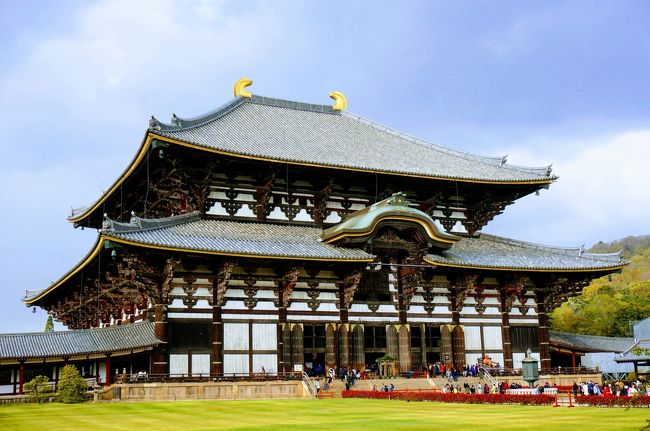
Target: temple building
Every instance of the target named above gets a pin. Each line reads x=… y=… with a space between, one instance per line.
x=286 y=236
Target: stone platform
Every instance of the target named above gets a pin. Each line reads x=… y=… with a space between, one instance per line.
x=205 y=391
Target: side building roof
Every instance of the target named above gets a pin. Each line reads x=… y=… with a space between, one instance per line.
x=494 y=252
x=590 y=343
x=79 y=342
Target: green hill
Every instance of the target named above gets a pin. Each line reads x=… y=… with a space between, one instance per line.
x=610 y=305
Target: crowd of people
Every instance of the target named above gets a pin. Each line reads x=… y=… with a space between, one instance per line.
x=452 y=373
x=616 y=389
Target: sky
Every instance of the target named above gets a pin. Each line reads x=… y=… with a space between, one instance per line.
x=561 y=82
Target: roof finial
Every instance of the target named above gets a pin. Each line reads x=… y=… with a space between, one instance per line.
x=340 y=102
x=240 y=87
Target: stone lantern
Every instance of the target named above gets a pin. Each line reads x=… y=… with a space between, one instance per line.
x=530 y=369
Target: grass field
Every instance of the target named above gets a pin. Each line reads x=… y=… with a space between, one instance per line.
x=336 y=414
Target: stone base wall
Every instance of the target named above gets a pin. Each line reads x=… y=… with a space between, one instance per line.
x=212 y=391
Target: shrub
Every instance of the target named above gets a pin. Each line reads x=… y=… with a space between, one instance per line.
x=537 y=400
x=38 y=389
x=72 y=387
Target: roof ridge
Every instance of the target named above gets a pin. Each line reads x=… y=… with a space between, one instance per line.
x=177 y=123
x=138 y=224
x=490 y=160
x=569 y=251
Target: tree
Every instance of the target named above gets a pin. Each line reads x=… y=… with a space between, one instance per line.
x=38 y=389
x=49 y=325
x=72 y=387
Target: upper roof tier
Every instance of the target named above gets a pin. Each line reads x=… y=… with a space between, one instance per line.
x=318 y=135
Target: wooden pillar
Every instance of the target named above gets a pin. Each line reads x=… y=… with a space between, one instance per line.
x=297 y=346
x=282 y=323
x=108 y=370
x=344 y=345
x=405 y=360
x=159 y=354
x=423 y=344
x=21 y=377
x=331 y=341
x=216 y=356
x=573 y=360
x=544 y=346
x=358 y=359
x=505 y=330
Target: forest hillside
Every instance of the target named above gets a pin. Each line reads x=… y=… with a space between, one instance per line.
x=610 y=305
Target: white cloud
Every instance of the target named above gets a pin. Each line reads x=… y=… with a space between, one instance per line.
x=602 y=193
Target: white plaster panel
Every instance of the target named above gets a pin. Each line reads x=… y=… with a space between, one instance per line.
x=299 y=306
x=429 y=320
x=6 y=389
x=311 y=317
x=177 y=291
x=492 y=338
x=373 y=319
x=492 y=310
x=264 y=305
x=217 y=209
x=441 y=309
x=417 y=298
x=200 y=364
x=334 y=217
x=206 y=315
x=177 y=303
x=302 y=216
x=525 y=321
x=360 y=308
x=234 y=305
x=268 y=361
x=472 y=337
x=178 y=364
x=328 y=306
x=235 y=336
x=474 y=321
x=235 y=364
x=277 y=214
x=299 y=295
x=416 y=309
x=468 y=310
x=265 y=336
x=202 y=303
x=327 y=296
x=386 y=308
x=244 y=211
x=235 y=293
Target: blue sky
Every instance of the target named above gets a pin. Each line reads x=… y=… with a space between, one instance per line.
x=544 y=82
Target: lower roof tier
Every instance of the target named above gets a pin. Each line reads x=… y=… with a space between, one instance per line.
x=190 y=234
x=494 y=252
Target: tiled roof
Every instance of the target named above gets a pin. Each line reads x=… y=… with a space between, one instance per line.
x=489 y=251
x=590 y=343
x=189 y=232
x=317 y=135
x=629 y=356
x=79 y=342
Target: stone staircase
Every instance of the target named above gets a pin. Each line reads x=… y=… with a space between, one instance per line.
x=401 y=384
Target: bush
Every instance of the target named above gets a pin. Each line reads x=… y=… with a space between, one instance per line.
x=536 y=400
x=72 y=387
x=38 y=389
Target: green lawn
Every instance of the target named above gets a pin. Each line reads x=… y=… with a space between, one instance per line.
x=337 y=414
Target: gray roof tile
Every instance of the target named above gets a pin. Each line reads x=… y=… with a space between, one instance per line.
x=188 y=232
x=79 y=342
x=315 y=134
x=592 y=343
x=489 y=251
